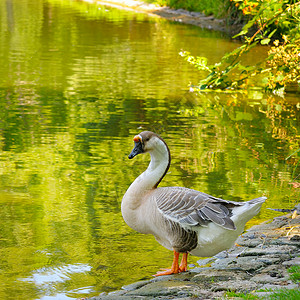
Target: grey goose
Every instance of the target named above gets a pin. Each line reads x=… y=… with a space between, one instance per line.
x=181 y=219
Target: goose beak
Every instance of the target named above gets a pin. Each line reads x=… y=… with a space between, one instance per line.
x=138 y=148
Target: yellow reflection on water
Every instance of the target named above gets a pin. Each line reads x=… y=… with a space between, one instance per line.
x=76 y=84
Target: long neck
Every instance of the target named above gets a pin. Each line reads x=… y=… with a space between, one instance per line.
x=158 y=167
x=139 y=190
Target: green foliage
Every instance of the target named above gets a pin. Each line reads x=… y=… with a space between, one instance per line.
x=280 y=294
x=267 y=18
x=240 y=295
x=284 y=294
x=294 y=273
x=218 y=7
x=219 y=76
x=284 y=61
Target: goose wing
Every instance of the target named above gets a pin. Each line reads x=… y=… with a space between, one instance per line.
x=193 y=208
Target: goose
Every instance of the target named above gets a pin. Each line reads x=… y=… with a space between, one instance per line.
x=182 y=220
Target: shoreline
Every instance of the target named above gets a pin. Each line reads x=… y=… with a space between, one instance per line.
x=257 y=265
x=175 y=15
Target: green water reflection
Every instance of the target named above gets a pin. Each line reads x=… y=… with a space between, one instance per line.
x=77 y=82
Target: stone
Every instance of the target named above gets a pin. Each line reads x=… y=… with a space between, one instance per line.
x=293 y=262
x=267 y=278
x=236 y=251
x=113 y=297
x=206 y=294
x=284 y=249
x=275 y=287
x=223 y=254
x=248 y=264
x=199 y=269
x=181 y=11
x=163 y=278
x=284 y=240
x=275 y=270
x=184 y=276
x=136 y=285
x=260 y=264
x=235 y=285
x=243 y=241
x=296 y=238
x=116 y=293
x=218 y=275
x=164 y=288
x=206 y=261
x=262 y=295
x=223 y=263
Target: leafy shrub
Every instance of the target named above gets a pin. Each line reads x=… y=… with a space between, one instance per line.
x=267 y=19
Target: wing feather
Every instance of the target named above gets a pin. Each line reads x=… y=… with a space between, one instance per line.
x=192 y=208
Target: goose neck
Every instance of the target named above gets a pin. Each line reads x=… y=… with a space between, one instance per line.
x=150 y=178
x=158 y=166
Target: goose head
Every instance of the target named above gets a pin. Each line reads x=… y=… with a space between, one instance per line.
x=149 y=142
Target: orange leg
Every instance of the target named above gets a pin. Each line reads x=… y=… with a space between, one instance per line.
x=175 y=267
x=183 y=264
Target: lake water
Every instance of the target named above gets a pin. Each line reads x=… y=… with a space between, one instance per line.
x=77 y=82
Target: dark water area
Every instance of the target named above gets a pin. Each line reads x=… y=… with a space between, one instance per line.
x=77 y=82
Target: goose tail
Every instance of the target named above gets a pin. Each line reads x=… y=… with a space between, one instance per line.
x=255 y=205
x=242 y=214
x=257 y=200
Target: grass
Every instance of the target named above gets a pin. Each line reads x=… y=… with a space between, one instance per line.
x=284 y=294
x=294 y=274
x=233 y=295
x=280 y=294
x=217 y=8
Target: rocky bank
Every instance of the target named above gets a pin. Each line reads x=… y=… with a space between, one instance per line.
x=257 y=264
x=176 y=15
